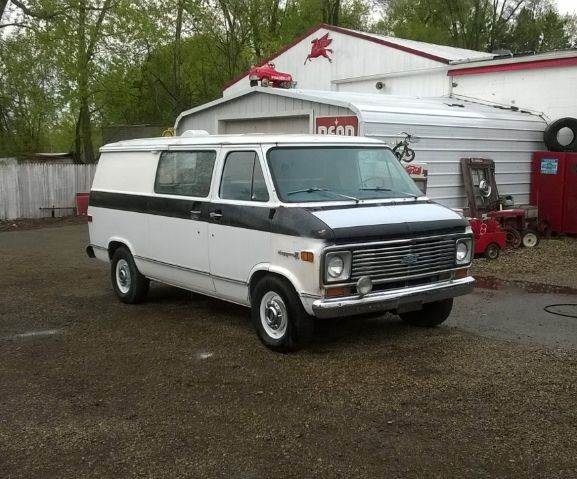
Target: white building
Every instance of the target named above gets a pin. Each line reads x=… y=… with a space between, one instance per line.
x=461 y=103
x=448 y=129
x=371 y=63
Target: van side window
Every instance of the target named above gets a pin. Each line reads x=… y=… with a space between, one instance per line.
x=242 y=178
x=186 y=173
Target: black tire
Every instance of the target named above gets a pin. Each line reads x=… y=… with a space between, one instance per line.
x=492 y=251
x=431 y=315
x=409 y=155
x=254 y=83
x=550 y=136
x=136 y=289
x=299 y=325
x=513 y=237
x=530 y=238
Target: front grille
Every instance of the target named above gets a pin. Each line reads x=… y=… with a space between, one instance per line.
x=403 y=259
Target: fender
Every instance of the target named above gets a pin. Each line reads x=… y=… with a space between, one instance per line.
x=124 y=241
x=306 y=298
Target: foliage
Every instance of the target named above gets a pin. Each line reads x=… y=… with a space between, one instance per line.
x=485 y=25
x=70 y=67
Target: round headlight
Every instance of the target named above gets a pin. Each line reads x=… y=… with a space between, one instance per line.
x=335 y=266
x=462 y=251
x=364 y=285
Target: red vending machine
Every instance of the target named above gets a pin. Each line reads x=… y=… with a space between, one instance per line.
x=554 y=190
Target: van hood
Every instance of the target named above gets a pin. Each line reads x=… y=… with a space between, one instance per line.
x=391 y=220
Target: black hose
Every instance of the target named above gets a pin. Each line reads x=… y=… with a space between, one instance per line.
x=571 y=305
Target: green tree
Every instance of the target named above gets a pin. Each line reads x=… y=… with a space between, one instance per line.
x=29 y=104
x=479 y=24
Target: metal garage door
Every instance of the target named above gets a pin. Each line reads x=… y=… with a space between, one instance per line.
x=283 y=124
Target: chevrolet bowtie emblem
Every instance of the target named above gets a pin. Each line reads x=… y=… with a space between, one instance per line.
x=410 y=259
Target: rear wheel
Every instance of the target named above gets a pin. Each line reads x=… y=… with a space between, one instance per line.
x=431 y=315
x=278 y=315
x=530 y=239
x=265 y=82
x=129 y=284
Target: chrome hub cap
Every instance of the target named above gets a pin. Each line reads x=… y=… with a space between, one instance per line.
x=273 y=315
x=123 y=279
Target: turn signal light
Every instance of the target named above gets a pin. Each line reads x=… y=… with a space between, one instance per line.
x=461 y=273
x=337 y=292
x=307 y=256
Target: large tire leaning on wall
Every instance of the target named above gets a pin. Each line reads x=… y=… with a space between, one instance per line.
x=551 y=135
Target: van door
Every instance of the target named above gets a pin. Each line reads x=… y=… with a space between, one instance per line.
x=178 y=221
x=239 y=223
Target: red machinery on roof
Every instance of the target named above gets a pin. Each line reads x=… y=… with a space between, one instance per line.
x=269 y=76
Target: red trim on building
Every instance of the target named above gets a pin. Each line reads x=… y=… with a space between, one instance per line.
x=344 y=31
x=386 y=43
x=509 y=67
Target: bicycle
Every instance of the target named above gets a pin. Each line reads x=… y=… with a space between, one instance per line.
x=402 y=150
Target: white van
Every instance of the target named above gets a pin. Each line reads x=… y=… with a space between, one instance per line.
x=293 y=226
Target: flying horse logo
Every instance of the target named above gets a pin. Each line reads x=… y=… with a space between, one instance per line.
x=319 y=48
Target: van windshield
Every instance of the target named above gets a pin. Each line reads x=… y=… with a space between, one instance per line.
x=315 y=174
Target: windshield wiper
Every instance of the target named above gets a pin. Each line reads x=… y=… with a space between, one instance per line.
x=382 y=188
x=314 y=189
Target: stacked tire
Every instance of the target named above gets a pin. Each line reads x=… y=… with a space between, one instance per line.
x=551 y=135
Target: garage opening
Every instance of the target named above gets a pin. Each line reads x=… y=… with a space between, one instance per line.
x=280 y=125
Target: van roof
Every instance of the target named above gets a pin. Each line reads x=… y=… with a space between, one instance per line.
x=242 y=139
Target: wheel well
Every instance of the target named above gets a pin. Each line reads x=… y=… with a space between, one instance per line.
x=258 y=275
x=113 y=246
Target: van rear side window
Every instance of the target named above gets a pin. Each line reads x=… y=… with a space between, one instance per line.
x=185 y=173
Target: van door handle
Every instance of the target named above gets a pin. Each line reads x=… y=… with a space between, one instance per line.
x=215 y=215
x=194 y=214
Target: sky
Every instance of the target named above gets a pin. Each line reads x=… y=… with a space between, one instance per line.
x=567 y=6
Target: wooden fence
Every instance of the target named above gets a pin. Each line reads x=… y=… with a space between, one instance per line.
x=25 y=188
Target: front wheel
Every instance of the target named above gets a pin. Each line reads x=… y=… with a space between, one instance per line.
x=129 y=284
x=278 y=315
x=431 y=315
x=492 y=251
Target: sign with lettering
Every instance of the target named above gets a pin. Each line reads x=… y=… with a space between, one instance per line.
x=549 y=166
x=337 y=125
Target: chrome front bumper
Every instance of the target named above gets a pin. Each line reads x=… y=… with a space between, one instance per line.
x=391 y=300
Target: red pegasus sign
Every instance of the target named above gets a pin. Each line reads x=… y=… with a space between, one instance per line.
x=320 y=48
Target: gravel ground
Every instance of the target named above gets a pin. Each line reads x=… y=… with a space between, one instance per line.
x=181 y=387
x=553 y=261
x=34 y=223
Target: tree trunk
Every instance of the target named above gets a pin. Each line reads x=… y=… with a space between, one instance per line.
x=84 y=128
x=331 y=11
x=3 y=4
x=177 y=58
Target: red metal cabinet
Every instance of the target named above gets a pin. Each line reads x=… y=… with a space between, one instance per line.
x=570 y=201
x=554 y=189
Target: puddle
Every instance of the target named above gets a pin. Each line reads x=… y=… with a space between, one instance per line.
x=34 y=334
x=493 y=283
